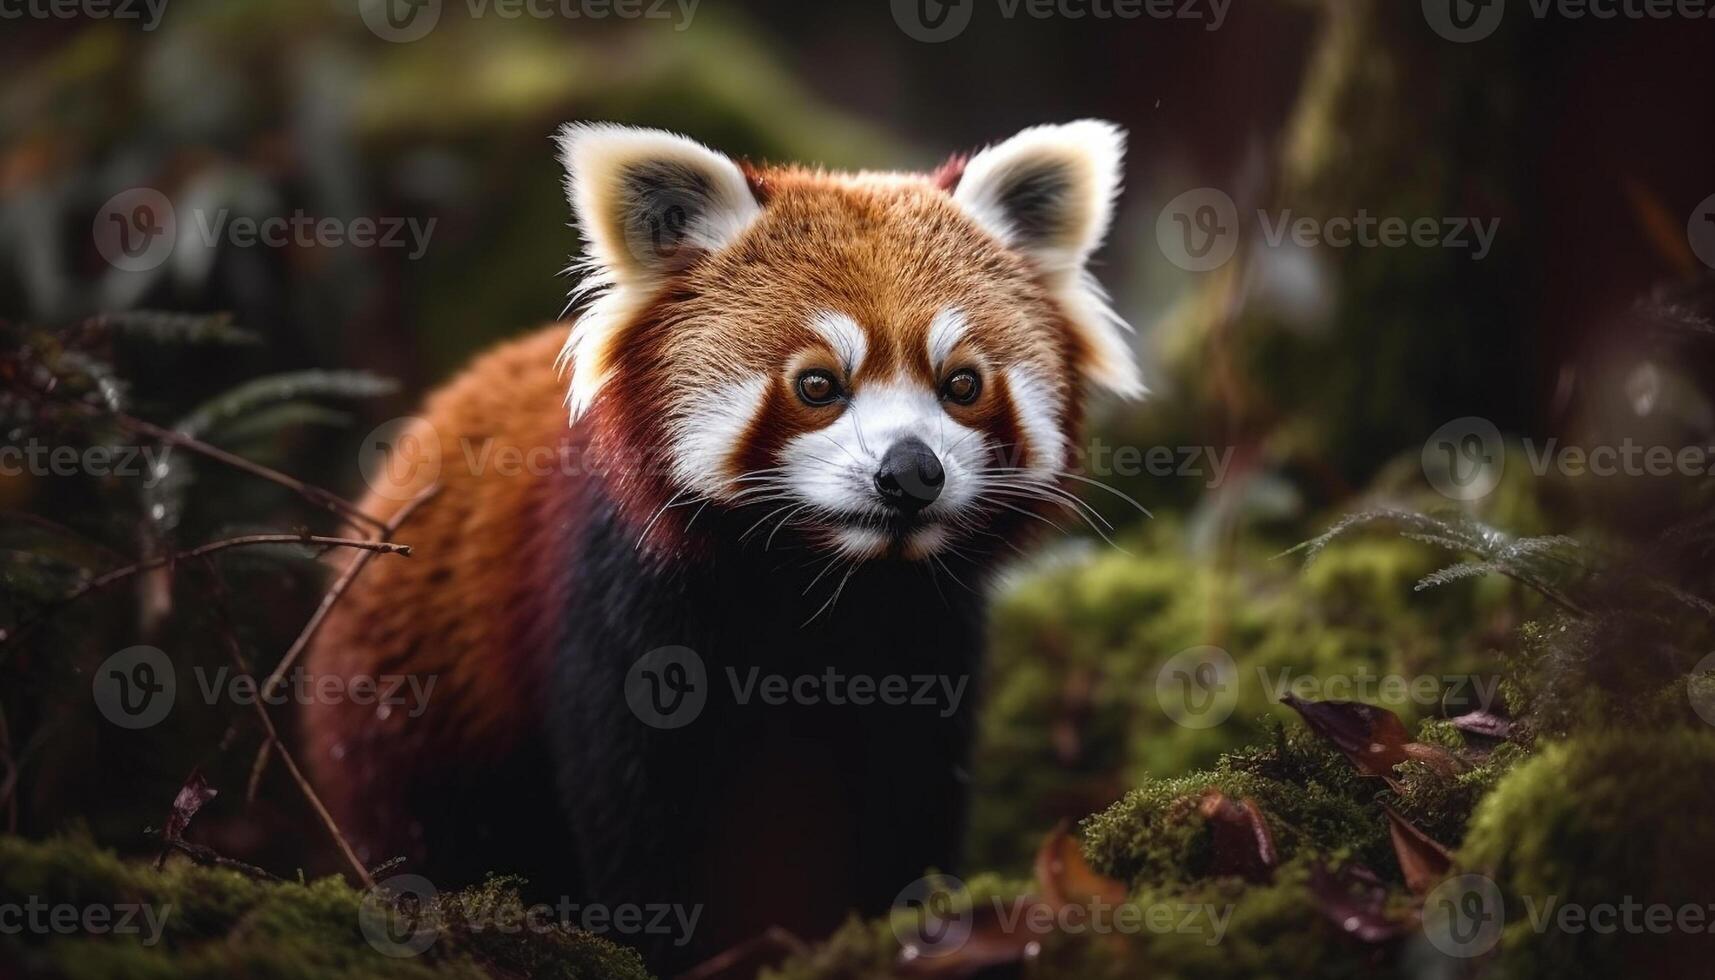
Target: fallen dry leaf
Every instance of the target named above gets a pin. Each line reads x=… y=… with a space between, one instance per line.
x=192 y=795
x=1424 y=861
x=1373 y=738
x=1065 y=878
x=1242 y=842
x=1355 y=900
x=956 y=953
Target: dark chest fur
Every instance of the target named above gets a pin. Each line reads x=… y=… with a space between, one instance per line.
x=787 y=758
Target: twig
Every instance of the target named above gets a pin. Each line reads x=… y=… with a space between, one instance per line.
x=120 y=574
x=277 y=677
x=314 y=494
x=209 y=856
x=273 y=737
x=379 y=544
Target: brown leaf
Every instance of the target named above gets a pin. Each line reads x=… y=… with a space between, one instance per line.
x=1424 y=861
x=1355 y=900
x=957 y=952
x=192 y=795
x=1067 y=879
x=1242 y=843
x=1373 y=738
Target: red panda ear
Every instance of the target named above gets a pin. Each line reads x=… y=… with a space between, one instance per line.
x=1049 y=193
x=649 y=203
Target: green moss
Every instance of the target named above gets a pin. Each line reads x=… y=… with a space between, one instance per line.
x=1314 y=807
x=1598 y=821
x=220 y=924
x=1072 y=714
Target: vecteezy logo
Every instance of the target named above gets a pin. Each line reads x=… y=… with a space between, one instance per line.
x=1463 y=916
x=136 y=687
x=667 y=687
x=399 y=916
x=1464 y=459
x=400 y=458
x=400 y=21
x=932 y=917
x=1464 y=21
x=662 y=233
x=1701 y=231
x=1198 y=687
x=1701 y=686
x=1198 y=231
x=136 y=229
x=933 y=21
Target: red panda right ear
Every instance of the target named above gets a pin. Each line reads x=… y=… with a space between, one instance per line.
x=648 y=204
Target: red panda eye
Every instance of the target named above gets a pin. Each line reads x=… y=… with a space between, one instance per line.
x=963 y=387
x=818 y=388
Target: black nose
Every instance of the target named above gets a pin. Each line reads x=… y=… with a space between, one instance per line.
x=910 y=477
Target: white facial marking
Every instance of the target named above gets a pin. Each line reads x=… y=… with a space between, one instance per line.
x=945 y=332
x=705 y=436
x=1038 y=406
x=845 y=336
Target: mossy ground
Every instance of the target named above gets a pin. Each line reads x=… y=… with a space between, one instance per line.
x=222 y=924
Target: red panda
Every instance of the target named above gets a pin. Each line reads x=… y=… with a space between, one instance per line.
x=809 y=413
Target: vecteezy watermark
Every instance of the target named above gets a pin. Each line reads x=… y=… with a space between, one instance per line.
x=1701 y=231
x=37 y=916
x=934 y=21
x=400 y=916
x=137 y=230
x=668 y=688
x=1463 y=916
x=1626 y=915
x=1200 y=231
x=404 y=915
x=835 y=687
x=401 y=458
x=1198 y=687
x=403 y=21
x=36 y=458
x=387 y=693
x=935 y=916
x=1700 y=686
x=1465 y=459
x=1387 y=690
x=1206 y=463
x=146 y=13
x=1465 y=21
x=138 y=687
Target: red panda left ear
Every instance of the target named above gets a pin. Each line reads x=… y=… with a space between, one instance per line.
x=648 y=204
x=1049 y=193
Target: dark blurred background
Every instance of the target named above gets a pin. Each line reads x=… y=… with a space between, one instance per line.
x=1590 y=141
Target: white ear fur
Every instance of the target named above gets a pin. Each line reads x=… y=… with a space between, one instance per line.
x=1049 y=193
x=648 y=203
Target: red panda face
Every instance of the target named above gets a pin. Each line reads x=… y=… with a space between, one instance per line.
x=883 y=364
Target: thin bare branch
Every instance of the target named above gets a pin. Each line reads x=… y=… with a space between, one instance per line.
x=243 y=541
x=314 y=494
